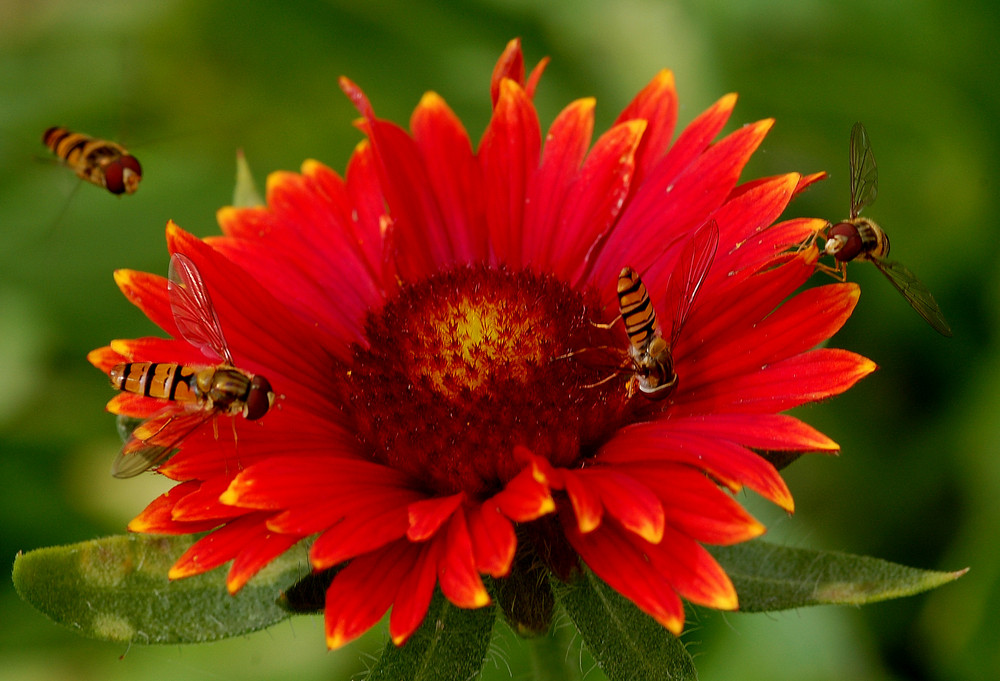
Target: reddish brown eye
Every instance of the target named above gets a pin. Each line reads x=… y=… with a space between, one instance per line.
x=113 y=177
x=259 y=398
x=132 y=163
x=852 y=240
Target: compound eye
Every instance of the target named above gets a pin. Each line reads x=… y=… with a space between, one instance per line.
x=259 y=399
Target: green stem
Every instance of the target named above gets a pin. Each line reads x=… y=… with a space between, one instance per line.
x=549 y=657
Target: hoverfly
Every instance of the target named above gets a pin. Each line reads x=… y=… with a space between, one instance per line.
x=100 y=162
x=858 y=238
x=195 y=395
x=650 y=353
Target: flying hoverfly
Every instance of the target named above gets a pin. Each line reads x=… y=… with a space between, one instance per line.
x=100 y=162
x=194 y=394
x=859 y=238
x=649 y=352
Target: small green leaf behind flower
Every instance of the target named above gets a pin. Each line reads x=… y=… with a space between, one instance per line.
x=245 y=194
x=769 y=577
x=116 y=589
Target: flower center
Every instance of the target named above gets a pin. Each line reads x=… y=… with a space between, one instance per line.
x=466 y=365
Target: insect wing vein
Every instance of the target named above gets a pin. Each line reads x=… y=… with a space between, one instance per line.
x=864 y=172
x=685 y=281
x=916 y=294
x=193 y=310
x=156 y=438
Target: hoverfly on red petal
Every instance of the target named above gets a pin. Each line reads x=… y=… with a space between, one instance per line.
x=650 y=353
x=194 y=394
x=859 y=238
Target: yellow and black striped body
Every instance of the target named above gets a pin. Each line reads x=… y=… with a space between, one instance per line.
x=649 y=351
x=100 y=162
x=857 y=238
x=222 y=388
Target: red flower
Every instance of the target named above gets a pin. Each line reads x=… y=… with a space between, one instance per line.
x=446 y=397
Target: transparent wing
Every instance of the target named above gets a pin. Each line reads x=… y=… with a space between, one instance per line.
x=916 y=294
x=157 y=438
x=689 y=274
x=193 y=310
x=864 y=172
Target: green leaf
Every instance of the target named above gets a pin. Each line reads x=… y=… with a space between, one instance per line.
x=116 y=589
x=450 y=644
x=245 y=193
x=627 y=643
x=769 y=577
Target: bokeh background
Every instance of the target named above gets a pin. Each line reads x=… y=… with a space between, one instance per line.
x=185 y=83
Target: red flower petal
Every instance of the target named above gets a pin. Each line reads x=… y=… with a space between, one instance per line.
x=493 y=540
x=613 y=558
x=565 y=148
x=627 y=500
x=508 y=156
x=657 y=105
x=220 y=546
x=457 y=573
x=453 y=176
x=361 y=593
x=158 y=517
x=427 y=516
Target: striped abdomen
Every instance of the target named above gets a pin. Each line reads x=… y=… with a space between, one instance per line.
x=99 y=162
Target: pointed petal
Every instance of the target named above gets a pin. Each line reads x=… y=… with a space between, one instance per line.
x=657 y=105
x=362 y=592
x=493 y=540
x=453 y=175
x=427 y=516
x=616 y=560
x=566 y=146
x=509 y=154
x=457 y=574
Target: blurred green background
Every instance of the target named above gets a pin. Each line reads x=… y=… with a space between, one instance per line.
x=184 y=84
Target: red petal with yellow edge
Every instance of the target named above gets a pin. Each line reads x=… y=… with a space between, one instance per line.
x=729 y=463
x=626 y=499
x=280 y=482
x=599 y=192
x=690 y=569
x=414 y=594
x=457 y=574
x=789 y=383
x=453 y=176
x=255 y=555
x=148 y=292
x=657 y=105
x=362 y=592
x=220 y=546
x=493 y=539
x=136 y=406
x=692 y=196
x=427 y=516
x=715 y=320
x=524 y=498
x=800 y=324
x=550 y=190
x=389 y=504
x=364 y=530
x=508 y=155
x=609 y=553
x=759 y=431
x=741 y=217
x=696 y=506
x=105 y=358
x=509 y=65
x=158 y=518
x=586 y=502
x=204 y=504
